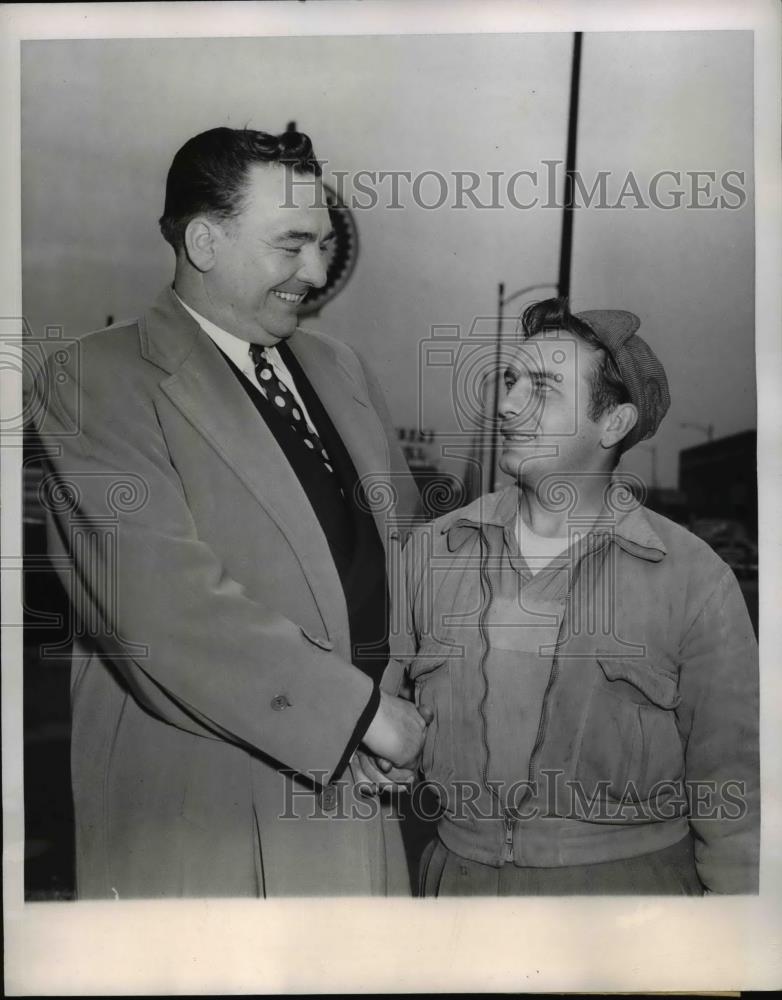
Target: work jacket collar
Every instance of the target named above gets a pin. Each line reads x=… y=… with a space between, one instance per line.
x=631 y=529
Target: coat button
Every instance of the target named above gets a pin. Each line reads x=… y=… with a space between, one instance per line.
x=279 y=703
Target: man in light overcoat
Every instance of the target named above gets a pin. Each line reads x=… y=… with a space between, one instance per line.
x=211 y=477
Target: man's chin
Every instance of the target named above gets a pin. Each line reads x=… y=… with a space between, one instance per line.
x=521 y=463
x=512 y=466
x=282 y=331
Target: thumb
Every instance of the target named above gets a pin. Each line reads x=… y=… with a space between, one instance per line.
x=383 y=764
x=426 y=713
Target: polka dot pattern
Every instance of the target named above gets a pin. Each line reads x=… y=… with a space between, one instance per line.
x=285 y=402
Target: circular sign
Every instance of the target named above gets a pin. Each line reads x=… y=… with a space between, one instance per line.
x=341 y=258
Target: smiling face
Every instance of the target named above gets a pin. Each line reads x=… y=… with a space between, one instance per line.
x=544 y=419
x=268 y=257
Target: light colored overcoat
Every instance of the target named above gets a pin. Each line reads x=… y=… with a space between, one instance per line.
x=211 y=648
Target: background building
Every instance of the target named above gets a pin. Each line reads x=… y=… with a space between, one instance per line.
x=720 y=480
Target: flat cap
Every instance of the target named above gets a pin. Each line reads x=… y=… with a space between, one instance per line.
x=641 y=370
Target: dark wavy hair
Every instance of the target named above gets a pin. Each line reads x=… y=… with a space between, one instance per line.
x=606 y=388
x=208 y=174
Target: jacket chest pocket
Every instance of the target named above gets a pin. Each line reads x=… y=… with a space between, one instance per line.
x=630 y=742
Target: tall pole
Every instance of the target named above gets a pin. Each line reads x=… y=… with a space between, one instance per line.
x=565 y=252
x=566 y=245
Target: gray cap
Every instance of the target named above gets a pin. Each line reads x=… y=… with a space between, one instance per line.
x=640 y=368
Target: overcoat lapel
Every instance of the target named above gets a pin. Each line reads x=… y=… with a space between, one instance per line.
x=203 y=388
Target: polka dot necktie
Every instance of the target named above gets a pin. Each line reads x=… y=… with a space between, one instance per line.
x=280 y=396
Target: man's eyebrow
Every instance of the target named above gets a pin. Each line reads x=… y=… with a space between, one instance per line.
x=541 y=374
x=305 y=236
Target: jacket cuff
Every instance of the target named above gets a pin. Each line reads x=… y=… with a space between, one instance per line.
x=394 y=679
x=357 y=736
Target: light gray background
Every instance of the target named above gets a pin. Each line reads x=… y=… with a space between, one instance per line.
x=102 y=119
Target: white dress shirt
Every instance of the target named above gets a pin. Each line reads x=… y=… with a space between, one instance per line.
x=238 y=351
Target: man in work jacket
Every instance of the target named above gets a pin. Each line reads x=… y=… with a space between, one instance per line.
x=590 y=665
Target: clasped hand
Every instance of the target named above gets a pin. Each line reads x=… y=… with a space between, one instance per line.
x=392 y=745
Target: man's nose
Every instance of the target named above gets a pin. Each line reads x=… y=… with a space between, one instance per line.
x=512 y=403
x=313 y=266
x=517 y=408
x=505 y=410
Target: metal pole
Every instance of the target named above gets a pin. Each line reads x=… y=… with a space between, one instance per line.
x=566 y=245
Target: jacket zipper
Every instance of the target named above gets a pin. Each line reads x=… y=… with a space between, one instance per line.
x=509 y=824
x=488 y=596
x=508 y=854
x=555 y=664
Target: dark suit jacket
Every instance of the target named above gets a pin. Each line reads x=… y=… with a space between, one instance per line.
x=212 y=650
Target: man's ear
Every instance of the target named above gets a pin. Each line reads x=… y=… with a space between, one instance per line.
x=201 y=237
x=620 y=422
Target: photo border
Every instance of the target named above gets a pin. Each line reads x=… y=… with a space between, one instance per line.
x=350 y=946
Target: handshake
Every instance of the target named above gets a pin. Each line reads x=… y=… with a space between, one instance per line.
x=392 y=745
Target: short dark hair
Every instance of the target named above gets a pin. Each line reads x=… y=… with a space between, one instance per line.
x=208 y=174
x=606 y=388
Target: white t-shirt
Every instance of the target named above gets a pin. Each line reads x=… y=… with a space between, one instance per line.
x=539 y=550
